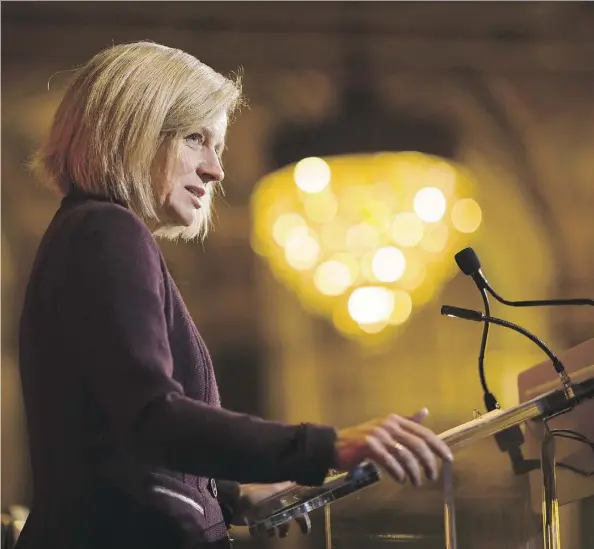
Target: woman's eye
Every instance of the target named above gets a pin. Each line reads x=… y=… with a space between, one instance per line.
x=195 y=139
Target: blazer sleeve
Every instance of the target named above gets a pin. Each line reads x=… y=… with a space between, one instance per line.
x=113 y=301
x=228 y=495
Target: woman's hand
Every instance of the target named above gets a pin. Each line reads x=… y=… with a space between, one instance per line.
x=401 y=446
x=252 y=494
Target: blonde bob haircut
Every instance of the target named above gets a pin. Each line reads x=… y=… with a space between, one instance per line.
x=123 y=106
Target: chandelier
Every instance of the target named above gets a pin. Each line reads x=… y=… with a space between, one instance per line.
x=364 y=239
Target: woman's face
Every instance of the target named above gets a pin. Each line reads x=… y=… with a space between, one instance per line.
x=187 y=187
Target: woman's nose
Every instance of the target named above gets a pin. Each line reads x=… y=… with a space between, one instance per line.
x=211 y=170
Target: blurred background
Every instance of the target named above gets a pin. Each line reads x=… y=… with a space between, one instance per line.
x=379 y=139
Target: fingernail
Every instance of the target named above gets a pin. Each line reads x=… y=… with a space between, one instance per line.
x=450 y=456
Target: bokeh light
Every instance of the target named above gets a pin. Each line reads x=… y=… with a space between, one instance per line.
x=407 y=229
x=365 y=240
x=371 y=304
x=430 y=204
x=466 y=215
x=285 y=225
x=388 y=264
x=301 y=249
x=333 y=278
x=312 y=175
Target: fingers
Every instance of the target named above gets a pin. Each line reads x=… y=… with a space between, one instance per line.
x=420 y=416
x=437 y=445
x=283 y=530
x=384 y=458
x=304 y=524
x=414 y=453
x=401 y=446
x=413 y=447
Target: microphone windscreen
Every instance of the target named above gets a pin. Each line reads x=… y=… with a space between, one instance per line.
x=468 y=261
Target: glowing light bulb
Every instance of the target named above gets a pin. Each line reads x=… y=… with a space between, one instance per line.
x=371 y=304
x=430 y=204
x=312 y=174
x=388 y=264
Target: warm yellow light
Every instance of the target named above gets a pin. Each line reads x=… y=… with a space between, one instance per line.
x=301 y=250
x=385 y=192
x=352 y=199
x=374 y=328
x=350 y=262
x=320 y=207
x=435 y=239
x=333 y=234
x=377 y=214
x=442 y=175
x=407 y=229
x=430 y=204
x=388 y=264
x=284 y=226
x=402 y=308
x=361 y=238
x=332 y=278
x=466 y=215
x=371 y=304
x=366 y=267
x=414 y=274
x=312 y=175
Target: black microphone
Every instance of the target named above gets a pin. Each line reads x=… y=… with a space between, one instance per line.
x=477 y=316
x=470 y=265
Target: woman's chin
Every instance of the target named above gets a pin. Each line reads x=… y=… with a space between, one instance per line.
x=182 y=217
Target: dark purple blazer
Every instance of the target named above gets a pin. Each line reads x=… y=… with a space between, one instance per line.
x=125 y=426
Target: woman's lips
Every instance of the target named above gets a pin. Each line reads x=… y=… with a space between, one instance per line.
x=197 y=193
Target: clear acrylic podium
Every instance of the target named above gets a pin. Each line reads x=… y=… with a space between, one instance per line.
x=479 y=503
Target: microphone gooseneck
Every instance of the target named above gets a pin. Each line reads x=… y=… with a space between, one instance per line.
x=477 y=316
x=510 y=440
x=469 y=264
